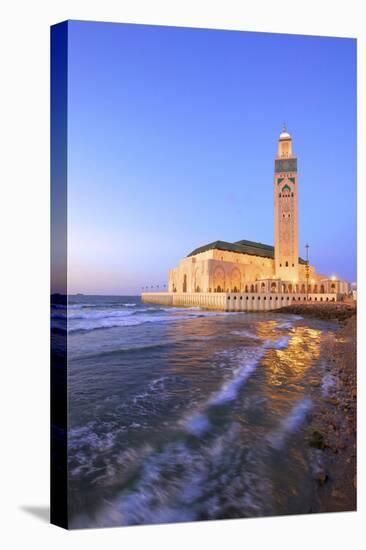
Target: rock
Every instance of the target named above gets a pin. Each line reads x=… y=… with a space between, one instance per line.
x=321 y=477
x=317 y=440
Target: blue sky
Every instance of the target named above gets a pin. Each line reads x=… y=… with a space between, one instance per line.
x=172 y=136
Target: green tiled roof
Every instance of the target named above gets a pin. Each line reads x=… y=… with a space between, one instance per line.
x=242 y=247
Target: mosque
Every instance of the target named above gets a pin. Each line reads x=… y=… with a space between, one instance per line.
x=254 y=275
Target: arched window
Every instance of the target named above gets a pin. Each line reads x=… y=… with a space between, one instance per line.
x=286 y=264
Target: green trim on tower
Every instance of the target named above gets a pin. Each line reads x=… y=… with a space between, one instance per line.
x=286 y=187
x=292 y=179
x=279 y=180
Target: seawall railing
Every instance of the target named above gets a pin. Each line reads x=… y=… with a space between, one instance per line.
x=233 y=301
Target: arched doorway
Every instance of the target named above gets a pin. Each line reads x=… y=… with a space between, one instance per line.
x=197 y=280
x=219 y=279
x=273 y=287
x=235 y=280
x=185 y=283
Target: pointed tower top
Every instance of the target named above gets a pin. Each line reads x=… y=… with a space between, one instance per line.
x=284 y=134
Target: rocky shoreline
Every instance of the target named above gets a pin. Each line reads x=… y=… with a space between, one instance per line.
x=339 y=311
x=332 y=432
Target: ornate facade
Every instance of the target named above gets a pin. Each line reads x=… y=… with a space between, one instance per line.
x=246 y=266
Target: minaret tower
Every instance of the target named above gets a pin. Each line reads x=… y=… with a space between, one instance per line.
x=285 y=211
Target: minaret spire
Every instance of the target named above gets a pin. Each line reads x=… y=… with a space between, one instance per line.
x=285 y=210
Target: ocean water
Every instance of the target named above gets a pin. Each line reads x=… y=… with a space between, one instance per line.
x=181 y=414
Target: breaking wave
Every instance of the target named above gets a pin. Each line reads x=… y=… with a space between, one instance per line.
x=109 y=319
x=290 y=423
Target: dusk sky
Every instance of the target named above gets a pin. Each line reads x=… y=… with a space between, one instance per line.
x=172 y=137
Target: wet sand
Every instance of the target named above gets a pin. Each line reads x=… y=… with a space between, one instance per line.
x=332 y=432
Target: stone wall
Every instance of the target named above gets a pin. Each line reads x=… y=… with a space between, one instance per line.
x=230 y=301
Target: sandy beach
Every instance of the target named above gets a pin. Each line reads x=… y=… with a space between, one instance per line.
x=332 y=432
